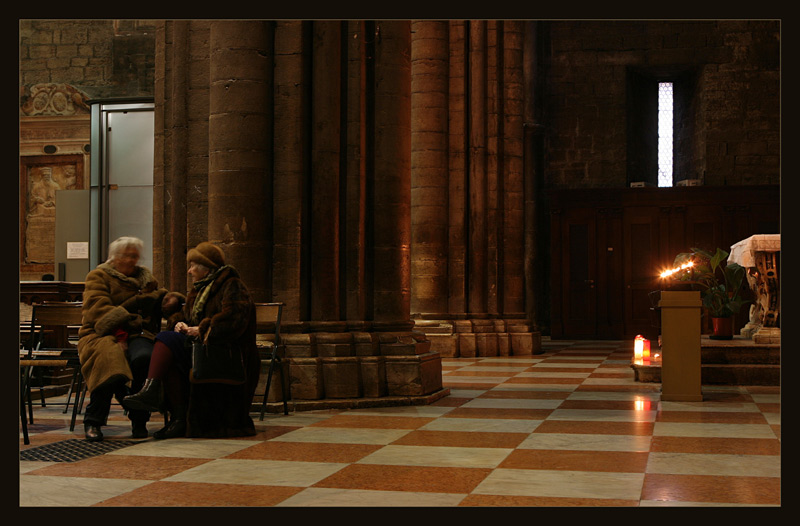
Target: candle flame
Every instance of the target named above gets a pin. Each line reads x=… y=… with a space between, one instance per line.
x=668 y=273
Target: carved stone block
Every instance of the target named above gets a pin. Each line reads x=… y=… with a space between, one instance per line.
x=305 y=379
x=373 y=376
x=413 y=375
x=342 y=377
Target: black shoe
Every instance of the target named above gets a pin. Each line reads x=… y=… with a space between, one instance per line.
x=93 y=433
x=139 y=430
x=149 y=398
x=175 y=429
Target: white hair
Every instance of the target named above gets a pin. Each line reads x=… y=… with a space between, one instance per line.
x=119 y=245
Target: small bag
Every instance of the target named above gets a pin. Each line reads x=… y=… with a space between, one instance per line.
x=216 y=363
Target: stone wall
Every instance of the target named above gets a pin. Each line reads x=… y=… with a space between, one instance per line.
x=735 y=101
x=102 y=58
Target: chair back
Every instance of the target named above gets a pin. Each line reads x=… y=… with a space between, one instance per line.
x=55 y=316
x=268 y=316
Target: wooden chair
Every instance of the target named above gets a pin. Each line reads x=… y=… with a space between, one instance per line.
x=48 y=345
x=269 y=314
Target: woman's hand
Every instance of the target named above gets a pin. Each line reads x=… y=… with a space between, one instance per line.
x=185 y=329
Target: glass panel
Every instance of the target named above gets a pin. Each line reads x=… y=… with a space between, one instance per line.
x=665 y=134
x=130 y=148
x=130 y=213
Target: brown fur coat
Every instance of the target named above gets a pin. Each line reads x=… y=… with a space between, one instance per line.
x=220 y=410
x=114 y=301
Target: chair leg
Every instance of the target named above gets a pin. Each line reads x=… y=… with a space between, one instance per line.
x=23 y=416
x=283 y=389
x=70 y=391
x=266 y=389
x=79 y=389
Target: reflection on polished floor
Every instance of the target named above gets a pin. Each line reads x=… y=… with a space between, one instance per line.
x=569 y=427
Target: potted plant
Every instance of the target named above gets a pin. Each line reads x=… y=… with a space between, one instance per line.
x=720 y=286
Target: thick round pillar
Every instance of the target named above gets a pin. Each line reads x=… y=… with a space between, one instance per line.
x=326 y=130
x=477 y=177
x=291 y=153
x=392 y=178
x=429 y=166
x=240 y=139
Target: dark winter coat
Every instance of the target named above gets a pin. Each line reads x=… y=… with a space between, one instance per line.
x=113 y=301
x=222 y=410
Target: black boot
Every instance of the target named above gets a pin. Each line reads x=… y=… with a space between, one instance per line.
x=150 y=398
x=175 y=429
x=138 y=429
x=92 y=432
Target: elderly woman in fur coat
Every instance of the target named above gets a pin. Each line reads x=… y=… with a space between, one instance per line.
x=218 y=309
x=122 y=312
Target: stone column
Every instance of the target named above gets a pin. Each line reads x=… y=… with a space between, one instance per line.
x=429 y=164
x=391 y=241
x=240 y=141
x=477 y=177
x=171 y=153
x=326 y=130
x=292 y=167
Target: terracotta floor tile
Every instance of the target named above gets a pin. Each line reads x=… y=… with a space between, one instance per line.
x=535 y=369
x=625 y=405
x=461 y=439
x=543 y=380
x=625 y=388
x=406 y=478
x=373 y=422
x=711 y=417
x=41 y=439
x=498 y=412
x=121 y=467
x=708 y=488
x=527 y=395
x=188 y=494
x=268 y=432
x=451 y=401
x=612 y=461
x=490 y=374
x=726 y=396
x=542 y=502
x=601 y=374
x=769 y=408
x=469 y=385
x=719 y=445
x=306 y=452
x=592 y=361
x=764 y=389
x=589 y=427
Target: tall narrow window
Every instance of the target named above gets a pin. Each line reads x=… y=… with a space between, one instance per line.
x=665 y=134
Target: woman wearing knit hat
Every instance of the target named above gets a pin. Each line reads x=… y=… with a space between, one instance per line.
x=218 y=309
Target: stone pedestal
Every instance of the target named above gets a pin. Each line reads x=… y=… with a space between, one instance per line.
x=469 y=338
x=348 y=367
x=760 y=256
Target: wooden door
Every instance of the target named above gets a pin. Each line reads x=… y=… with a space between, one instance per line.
x=579 y=260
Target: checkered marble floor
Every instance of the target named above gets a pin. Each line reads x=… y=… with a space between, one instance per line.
x=569 y=427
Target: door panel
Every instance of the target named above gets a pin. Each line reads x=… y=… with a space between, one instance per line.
x=580 y=257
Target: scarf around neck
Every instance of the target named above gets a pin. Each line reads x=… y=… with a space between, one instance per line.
x=203 y=292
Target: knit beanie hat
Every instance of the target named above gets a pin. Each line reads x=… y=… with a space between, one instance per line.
x=206 y=254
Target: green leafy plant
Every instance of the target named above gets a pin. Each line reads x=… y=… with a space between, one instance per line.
x=720 y=285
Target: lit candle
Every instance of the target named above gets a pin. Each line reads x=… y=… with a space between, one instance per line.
x=646 y=352
x=638 y=348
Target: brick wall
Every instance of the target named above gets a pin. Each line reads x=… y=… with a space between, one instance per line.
x=101 y=58
x=735 y=136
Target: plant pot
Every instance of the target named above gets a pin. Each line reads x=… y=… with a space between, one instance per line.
x=723 y=328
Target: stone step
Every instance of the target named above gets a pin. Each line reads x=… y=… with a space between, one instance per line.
x=739 y=361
